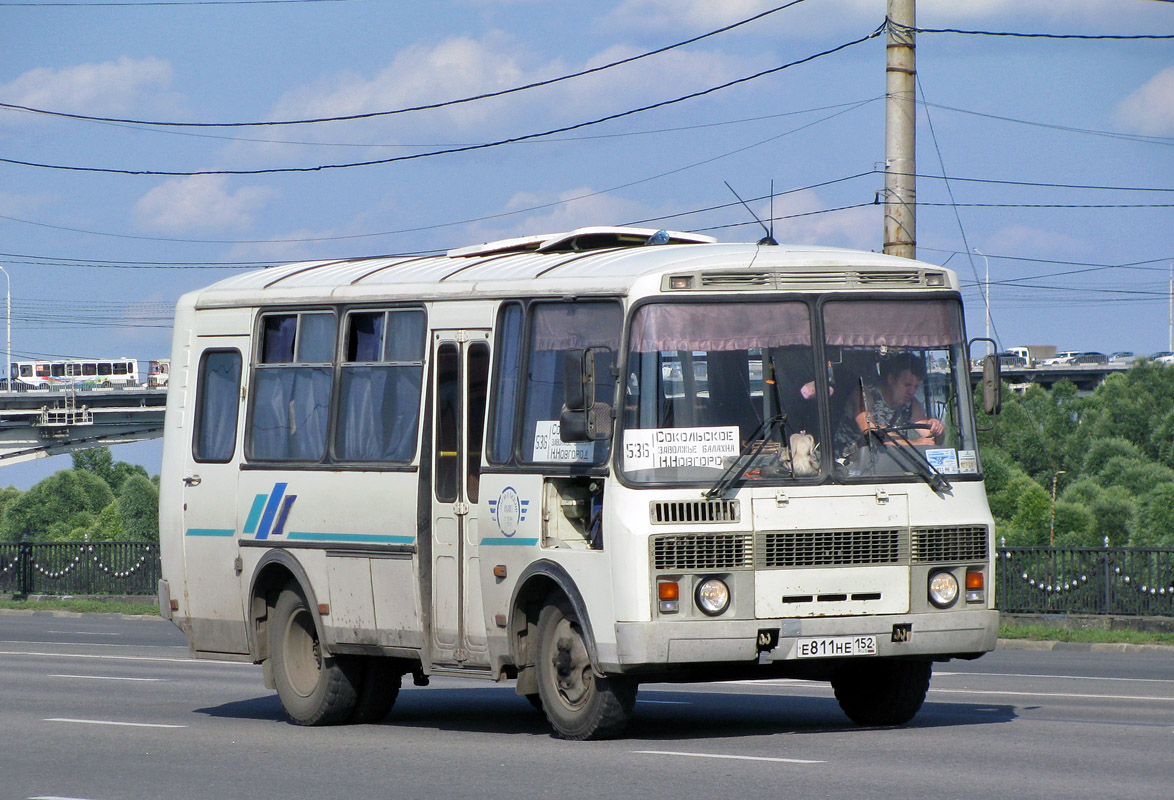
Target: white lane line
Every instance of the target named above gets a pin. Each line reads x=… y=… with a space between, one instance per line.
x=84 y=633
x=1069 y=695
x=124 y=658
x=113 y=722
x=56 y=797
x=107 y=678
x=93 y=644
x=734 y=758
x=937 y=674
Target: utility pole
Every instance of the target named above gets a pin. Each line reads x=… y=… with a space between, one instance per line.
x=900 y=132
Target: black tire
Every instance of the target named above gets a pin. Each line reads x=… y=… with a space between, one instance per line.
x=579 y=704
x=380 y=687
x=315 y=687
x=882 y=692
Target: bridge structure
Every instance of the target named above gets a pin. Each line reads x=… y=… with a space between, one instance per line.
x=47 y=422
x=1085 y=377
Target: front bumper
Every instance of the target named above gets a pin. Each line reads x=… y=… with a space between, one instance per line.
x=661 y=643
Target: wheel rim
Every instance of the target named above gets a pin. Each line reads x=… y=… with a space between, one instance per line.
x=302 y=653
x=572 y=665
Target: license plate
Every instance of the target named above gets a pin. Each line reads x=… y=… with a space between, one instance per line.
x=836 y=646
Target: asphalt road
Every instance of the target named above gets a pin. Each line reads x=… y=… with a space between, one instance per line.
x=105 y=708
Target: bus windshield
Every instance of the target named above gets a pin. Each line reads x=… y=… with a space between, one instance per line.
x=783 y=391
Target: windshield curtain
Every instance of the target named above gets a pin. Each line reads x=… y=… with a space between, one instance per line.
x=705 y=379
x=714 y=383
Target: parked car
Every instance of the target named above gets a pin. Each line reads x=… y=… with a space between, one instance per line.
x=1089 y=359
x=1060 y=358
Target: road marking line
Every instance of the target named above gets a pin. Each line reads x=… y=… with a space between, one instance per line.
x=735 y=758
x=113 y=722
x=1052 y=694
x=56 y=797
x=125 y=658
x=94 y=644
x=106 y=678
x=937 y=674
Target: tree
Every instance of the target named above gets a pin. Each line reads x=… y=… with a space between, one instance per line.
x=100 y=462
x=1154 y=523
x=55 y=508
x=138 y=508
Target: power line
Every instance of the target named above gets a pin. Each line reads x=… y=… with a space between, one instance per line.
x=409 y=109
x=1134 y=137
x=1014 y=34
x=462 y=149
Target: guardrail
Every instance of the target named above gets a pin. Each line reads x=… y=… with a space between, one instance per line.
x=1117 y=581
x=79 y=568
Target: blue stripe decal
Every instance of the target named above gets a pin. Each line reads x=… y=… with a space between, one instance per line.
x=305 y=536
x=255 y=514
x=515 y=542
x=225 y=532
x=280 y=526
x=271 y=510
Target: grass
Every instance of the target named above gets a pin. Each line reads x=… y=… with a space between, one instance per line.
x=80 y=606
x=1044 y=633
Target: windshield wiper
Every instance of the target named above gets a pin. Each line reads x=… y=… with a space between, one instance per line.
x=756 y=442
x=892 y=437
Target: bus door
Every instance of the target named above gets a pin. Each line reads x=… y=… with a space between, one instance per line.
x=461 y=374
x=211 y=466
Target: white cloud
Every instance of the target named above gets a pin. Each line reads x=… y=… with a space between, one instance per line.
x=108 y=87
x=1150 y=109
x=1022 y=239
x=859 y=228
x=200 y=202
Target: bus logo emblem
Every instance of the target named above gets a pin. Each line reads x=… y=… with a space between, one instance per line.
x=508 y=511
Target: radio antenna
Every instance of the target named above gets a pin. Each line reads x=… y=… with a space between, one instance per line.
x=769 y=238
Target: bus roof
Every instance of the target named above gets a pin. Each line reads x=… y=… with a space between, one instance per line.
x=595 y=260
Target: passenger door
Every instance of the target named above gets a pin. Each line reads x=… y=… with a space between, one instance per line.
x=460 y=360
x=210 y=525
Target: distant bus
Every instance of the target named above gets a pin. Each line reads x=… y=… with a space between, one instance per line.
x=158 y=373
x=76 y=372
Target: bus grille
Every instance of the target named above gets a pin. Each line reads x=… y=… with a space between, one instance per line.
x=830 y=548
x=695 y=551
x=671 y=512
x=967 y=543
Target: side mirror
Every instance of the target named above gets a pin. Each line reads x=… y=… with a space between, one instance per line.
x=582 y=419
x=992 y=385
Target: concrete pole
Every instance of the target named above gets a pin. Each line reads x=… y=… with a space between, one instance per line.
x=900 y=132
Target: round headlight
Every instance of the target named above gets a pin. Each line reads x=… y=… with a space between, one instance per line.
x=713 y=596
x=943 y=589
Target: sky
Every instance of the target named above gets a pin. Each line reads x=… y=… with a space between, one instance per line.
x=1047 y=163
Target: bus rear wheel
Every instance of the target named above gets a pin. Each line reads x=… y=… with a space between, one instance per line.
x=315 y=687
x=578 y=703
x=882 y=692
x=380 y=687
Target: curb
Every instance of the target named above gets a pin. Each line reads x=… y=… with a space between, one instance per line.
x=61 y=614
x=1083 y=647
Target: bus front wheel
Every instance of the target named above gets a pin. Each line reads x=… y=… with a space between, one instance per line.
x=882 y=692
x=578 y=703
x=315 y=687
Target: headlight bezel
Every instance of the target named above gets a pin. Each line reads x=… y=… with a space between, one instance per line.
x=943 y=588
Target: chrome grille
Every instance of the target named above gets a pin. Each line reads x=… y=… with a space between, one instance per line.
x=829 y=548
x=669 y=512
x=697 y=551
x=933 y=545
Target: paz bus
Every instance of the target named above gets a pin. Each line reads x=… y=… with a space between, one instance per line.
x=579 y=462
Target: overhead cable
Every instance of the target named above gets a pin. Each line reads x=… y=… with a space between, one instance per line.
x=409 y=109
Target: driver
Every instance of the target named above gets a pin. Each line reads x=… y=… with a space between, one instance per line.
x=891 y=406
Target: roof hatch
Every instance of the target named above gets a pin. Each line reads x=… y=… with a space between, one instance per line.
x=582 y=239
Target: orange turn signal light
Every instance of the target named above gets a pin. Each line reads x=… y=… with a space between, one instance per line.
x=974 y=580
x=668 y=590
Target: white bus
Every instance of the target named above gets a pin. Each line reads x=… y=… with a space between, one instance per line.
x=92 y=373
x=579 y=462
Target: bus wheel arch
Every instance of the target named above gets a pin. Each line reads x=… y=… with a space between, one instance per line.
x=276 y=571
x=533 y=591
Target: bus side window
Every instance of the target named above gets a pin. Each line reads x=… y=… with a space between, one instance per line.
x=291 y=387
x=506 y=381
x=217 y=403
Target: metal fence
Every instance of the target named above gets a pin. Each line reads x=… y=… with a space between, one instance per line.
x=79 y=568
x=1118 y=581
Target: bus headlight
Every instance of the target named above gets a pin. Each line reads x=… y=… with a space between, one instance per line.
x=712 y=596
x=943 y=589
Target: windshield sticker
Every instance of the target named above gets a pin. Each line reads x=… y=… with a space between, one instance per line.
x=968 y=461
x=944 y=460
x=652 y=448
x=549 y=445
